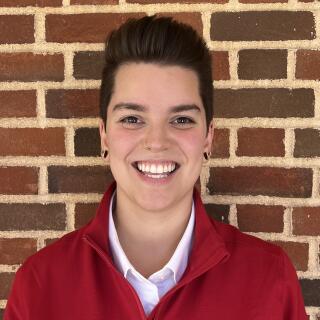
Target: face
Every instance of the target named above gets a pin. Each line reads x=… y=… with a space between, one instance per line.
x=155 y=134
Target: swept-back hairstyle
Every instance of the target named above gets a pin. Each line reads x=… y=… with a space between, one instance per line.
x=159 y=40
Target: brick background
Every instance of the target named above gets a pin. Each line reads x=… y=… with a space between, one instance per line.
x=264 y=173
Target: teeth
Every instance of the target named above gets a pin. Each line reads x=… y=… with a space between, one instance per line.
x=153 y=168
x=156 y=168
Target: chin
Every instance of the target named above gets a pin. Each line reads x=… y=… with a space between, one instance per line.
x=154 y=203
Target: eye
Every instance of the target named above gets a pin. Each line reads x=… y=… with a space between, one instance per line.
x=183 y=121
x=130 y=121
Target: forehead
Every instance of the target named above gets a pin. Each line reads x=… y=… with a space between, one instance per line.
x=149 y=83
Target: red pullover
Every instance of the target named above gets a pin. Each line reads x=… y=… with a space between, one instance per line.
x=230 y=275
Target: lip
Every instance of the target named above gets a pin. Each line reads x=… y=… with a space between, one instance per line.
x=155 y=181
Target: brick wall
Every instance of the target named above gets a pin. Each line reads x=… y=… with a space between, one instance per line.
x=264 y=173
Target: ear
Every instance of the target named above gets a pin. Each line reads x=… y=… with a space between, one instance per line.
x=103 y=135
x=209 y=138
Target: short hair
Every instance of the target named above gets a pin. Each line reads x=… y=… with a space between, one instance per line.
x=159 y=40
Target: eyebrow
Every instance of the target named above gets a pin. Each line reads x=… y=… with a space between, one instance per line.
x=141 y=108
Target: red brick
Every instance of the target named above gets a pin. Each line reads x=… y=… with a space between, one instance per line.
x=84 y=212
x=259 y=218
x=220 y=147
x=32 y=216
x=191 y=18
x=11 y=102
x=94 y=1
x=6 y=279
x=19 y=180
x=87 y=142
x=15 y=251
x=84 y=179
x=16 y=29
x=218 y=212
x=32 y=142
x=262 y=142
x=50 y=241
x=262 y=26
x=176 y=1
x=72 y=103
x=25 y=3
x=280 y=182
x=308 y=64
x=298 y=253
x=269 y=103
x=31 y=67
x=306 y=221
x=86 y=27
x=88 y=64
x=307 y=143
x=311 y=292
x=220 y=65
x=252 y=64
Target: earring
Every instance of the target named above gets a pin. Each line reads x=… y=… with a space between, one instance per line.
x=207 y=155
x=104 y=153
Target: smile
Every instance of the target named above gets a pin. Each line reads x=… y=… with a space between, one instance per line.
x=156 y=170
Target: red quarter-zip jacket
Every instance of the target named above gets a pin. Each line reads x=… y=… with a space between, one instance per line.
x=230 y=275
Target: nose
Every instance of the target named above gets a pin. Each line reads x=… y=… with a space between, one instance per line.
x=156 y=139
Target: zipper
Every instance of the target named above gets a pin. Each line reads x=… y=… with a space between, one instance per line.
x=156 y=311
x=154 y=315
x=106 y=259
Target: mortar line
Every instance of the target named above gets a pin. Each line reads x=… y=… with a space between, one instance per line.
x=233 y=65
x=204 y=178
x=317 y=103
x=287 y=222
x=206 y=21
x=54 y=47
x=316 y=183
x=270 y=162
x=70 y=219
x=9 y=267
x=280 y=123
x=233 y=143
x=233 y=218
x=313 y=264
x=39 y=26
x=43 y=180
x=231 y=6
x=291 y=64
x=68 y=66
x=219 y=84
x=41 y=106
x=69 y=141
x=289 y=141
x=40 y=243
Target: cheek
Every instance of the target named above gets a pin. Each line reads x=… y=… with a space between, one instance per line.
x=191 y=142
x=121 y=141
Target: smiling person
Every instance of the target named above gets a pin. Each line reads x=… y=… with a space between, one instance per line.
x=151 y=251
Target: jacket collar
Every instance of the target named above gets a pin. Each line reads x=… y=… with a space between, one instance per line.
x=208 y=246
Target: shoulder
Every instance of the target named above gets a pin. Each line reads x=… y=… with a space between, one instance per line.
x=252 y=247
x=56 y=255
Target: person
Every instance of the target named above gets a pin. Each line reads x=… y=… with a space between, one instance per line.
x=151 y=251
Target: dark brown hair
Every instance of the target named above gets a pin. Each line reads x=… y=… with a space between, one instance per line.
x=159 y=40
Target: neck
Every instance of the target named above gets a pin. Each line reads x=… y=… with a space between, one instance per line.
x=148 y=238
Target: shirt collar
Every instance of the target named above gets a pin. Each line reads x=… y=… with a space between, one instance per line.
x=209 y=246
x=177 y=263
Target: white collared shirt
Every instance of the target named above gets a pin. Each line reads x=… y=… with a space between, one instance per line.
x=152 y=289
